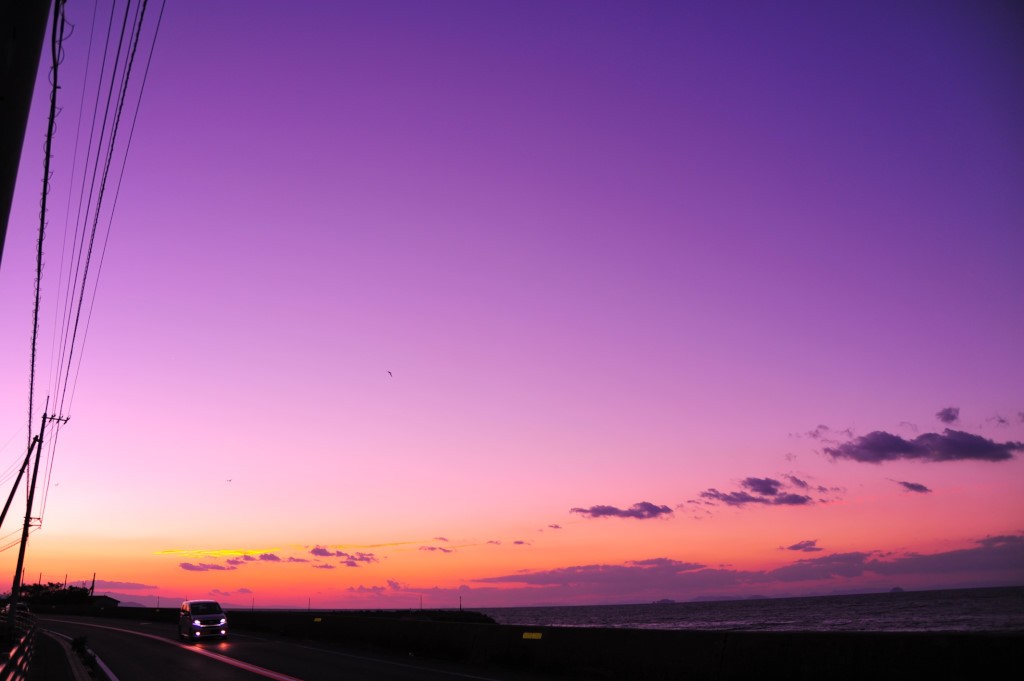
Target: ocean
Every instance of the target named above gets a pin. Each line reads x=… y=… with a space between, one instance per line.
x=965 y=610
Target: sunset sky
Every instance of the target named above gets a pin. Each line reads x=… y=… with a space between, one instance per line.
x=531 y=303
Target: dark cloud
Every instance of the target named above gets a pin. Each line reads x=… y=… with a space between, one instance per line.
x=826 y=567
x=293 y=559
x=998 y=420
x=948 y=414
x=818 y=432
x=744 y=498
x=665 y=563
x=950 y=445
x=105 y=584
x=914 y=487
x=519 y=542
x=807 y=545
x=996 y=559
x=555 y=527
x=797 y=482
x=1004 y=552
x=270 y=557
x=349 y=559
x=1001 y=540
x=642 y=510
x=767 y=491
x=203 y=567
x=763 y=486
x=789 y=499
x=324 y=566
x=732 y=498
x=654 y=569
x=243 y=590
x=441 y=539
x=355 y=559
x=826 y=434
x=367 y=589
x=436 y=548
x=234 y=561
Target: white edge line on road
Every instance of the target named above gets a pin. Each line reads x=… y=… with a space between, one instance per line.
x=266 y=672
x=216 y=656
x=111 y=676
x=243 y=665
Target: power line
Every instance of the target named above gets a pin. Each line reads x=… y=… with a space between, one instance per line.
x=81 y=283
x=124 y=165
x=99 y=173
x=80 y=271
x=58 y=21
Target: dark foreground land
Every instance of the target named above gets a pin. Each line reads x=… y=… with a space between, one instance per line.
x=607 y=654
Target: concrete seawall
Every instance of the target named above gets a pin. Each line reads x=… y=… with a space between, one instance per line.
x=607 y=654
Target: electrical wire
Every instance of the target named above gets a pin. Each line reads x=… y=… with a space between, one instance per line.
x=10 y=545
x=78 y=283
x=64 y=254
x=126 y=75
x=82 y=280
x=58 y=20
x=83 y=207
x=117 y=191
x=111 y=143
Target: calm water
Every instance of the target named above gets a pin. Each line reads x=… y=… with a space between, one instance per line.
x=996 y=609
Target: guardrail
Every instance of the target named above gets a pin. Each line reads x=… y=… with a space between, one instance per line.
x=20 y=642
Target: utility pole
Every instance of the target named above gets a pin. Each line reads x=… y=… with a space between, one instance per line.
x=17 y=481
x=12 y=617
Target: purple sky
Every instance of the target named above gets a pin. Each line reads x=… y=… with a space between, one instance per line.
x=618 y=258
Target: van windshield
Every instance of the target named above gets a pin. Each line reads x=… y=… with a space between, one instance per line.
x=208 y=608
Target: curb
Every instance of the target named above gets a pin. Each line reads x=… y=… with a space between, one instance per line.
x=79 y=672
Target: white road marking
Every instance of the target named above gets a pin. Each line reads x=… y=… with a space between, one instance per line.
x=277 y=676
x=266 y=672
x=106 y=670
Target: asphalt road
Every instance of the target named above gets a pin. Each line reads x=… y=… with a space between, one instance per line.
x=150 y=651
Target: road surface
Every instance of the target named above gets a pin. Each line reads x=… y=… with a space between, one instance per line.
x=152 y=651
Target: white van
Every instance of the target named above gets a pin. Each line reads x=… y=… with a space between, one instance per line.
x=202 y=619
